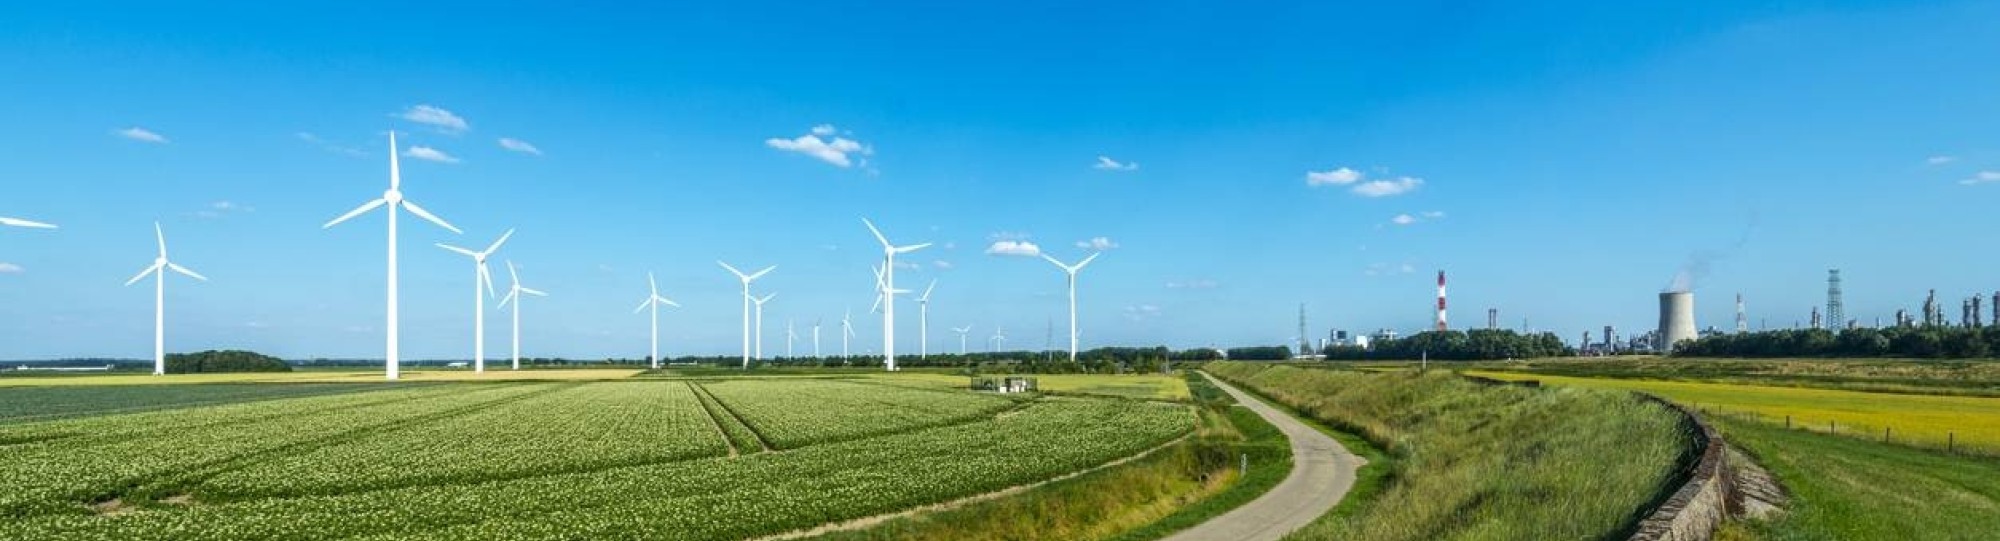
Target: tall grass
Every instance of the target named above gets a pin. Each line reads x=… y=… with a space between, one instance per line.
x=1482 y=461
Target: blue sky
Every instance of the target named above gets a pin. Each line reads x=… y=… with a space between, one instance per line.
x=1562 y=161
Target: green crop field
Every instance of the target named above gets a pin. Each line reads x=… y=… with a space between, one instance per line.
x=23 y=404
x=663 y=459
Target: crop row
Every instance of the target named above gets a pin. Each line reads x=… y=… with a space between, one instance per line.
x=718 y=498
x=797 y=413
x=587 y=426
x=98 y=457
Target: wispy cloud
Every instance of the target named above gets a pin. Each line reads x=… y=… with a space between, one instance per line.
x=943 y=265
x=1408 y=219
x=1940 y=159
x=836 y=150
x=1097 y=243
x=10 y=268
x=436 y=117
x=329 y=146
x=427 y=153
x=520 y=146
x=143 y=135
x=1337 y=177
x=1105 y=163
x=1981 y=178
x=1385 y=269
x=220 y=208
x=1200 y=283
x=1141 y=312
x=1014 y=248
x=1388 y=187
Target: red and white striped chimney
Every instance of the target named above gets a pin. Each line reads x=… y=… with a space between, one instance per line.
x=1440 y=325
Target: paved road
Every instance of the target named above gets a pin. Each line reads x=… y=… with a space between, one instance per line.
x=1322 y=472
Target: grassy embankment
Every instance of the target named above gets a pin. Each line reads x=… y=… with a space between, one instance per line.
x=1907 y=376
x=1172 y=489
x=1967 y=424
x=1475 y=461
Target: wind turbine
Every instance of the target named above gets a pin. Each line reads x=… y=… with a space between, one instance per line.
x=760 y=322
x=394 y=199
x=514 y=296
x=924 y=322
x=17 y=222
x=482 y=279
x=789 y=337
x=1071 y=272
x=159 y=271
x=654 y=300
x=846 y=332
x=889 y=252
x=816 y=356
x=999 y=337
x=961 y=337
x=746 y=278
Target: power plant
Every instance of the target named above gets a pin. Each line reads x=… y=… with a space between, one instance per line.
x=1676 y=319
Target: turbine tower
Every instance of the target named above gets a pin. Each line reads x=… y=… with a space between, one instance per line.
x=961 y=337
x=816 y=356
x=1440 y=319
x=654 y=300
x=924 y=322
x=159 y=270
x=482 y=279
x=746 y=278
x=759 y=348
x=1071 y=271
x=846 y=332
x=999 y=337
x=514 y=293
x=889 y=252
x=789 y=337
x=394 y=199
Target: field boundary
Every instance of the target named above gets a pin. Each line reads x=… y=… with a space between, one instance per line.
x=864 y=522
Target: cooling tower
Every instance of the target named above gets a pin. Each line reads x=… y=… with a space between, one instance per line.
x=1676 y=318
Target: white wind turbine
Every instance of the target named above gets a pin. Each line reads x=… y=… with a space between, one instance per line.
x=961 y=337
x=999 y=337
x=816 y=356
x=846 y=332
x=654 y=300
x=482 y=279
x=924 y=322
x=746 y=278
x=889 y=252
x=394 y=199
x=159 y=270
x=759 y=351
x=1071 y=272
x=789 y=337
x=514 y=295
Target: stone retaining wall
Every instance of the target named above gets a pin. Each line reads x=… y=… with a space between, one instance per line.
x=1705 y=500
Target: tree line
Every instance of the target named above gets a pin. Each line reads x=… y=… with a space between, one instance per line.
x=1470 y=345
x=221 y=361
x=1925 y=342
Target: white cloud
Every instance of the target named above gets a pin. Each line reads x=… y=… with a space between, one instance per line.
x=435 y=117
x=1097 y=243
x=136 y=133
x=520 y=146
x=943 y=265
x=1105 y=163
x=835 y=151
x=1407 y=219
x=1385 y=188
x=1433 y=214
x=906 y=265
x=1403 y=219
x=1202 y=283
x=1014 y=247
x=1141 y=312
x=1008 y=235
x=428 y=153
x=1337 y=177
x=1982 y=178
x=1940 y=160
x=10 y=268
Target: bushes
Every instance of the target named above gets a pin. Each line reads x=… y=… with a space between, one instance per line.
x=215 y=362
x=1919 y=342
x=1481 y=461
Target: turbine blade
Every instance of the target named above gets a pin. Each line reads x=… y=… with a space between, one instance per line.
x=468 y=253
x=162 y=236
x=732 y=270
x=668 y=302
x=877 y=232
x=1053 y=261
x=877 y=307
x=912 y=248
x=142 y=274
x=486 y=279
x=643 y=304
x=425 y=214
x=184 y=270
x=17 y=222
x=761 y=273
x=510 y=297
x=515 y=276
x=1086 y=261
x=927 y=292
x=767 y=298
x=497 y=243
x=365 y=207
x=652 y=287
x=534 y=292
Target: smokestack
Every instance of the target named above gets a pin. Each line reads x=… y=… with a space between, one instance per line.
x=1815 y=317
x=1440 y=323
x=1492 y=318
x=1676 y=319
x=1742 y=323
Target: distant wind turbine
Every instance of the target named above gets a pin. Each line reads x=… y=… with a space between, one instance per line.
x=514 y=296
x=961 y=337
x=789 y=337
x=999 y=337
x=846 y=332
x=816 y=356
x=654 y=300
x=746 y=278
x=889 y=252
x=924 y=322
x=760 y=323
x=159 y=270
x=1071 y=272
x=394 y=199
x=482 y=279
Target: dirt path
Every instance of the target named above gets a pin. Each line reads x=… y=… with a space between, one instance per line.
x=1322 y=472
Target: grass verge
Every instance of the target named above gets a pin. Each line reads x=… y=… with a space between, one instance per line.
x=1844 y=488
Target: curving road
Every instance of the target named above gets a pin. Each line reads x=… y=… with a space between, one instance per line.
x=1322 y=472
